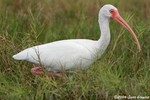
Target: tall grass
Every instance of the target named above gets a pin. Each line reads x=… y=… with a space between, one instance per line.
x=120 y=71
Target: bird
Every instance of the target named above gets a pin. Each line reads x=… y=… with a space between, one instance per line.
x=74 y=53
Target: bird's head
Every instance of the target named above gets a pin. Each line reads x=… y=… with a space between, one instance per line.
x=110 y=12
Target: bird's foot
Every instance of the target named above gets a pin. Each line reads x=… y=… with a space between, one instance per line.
x=55 y=74
x=39 y=71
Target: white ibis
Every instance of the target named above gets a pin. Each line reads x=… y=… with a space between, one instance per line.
x=74 y=53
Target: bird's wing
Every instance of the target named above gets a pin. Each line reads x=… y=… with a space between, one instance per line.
x=60 y=51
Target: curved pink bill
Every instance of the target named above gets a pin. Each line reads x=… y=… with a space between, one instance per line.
x=119 y=19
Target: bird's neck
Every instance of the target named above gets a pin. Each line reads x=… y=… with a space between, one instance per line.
x=104 y=40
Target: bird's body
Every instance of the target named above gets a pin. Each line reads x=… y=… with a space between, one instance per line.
x=74 y=53
x=66 y=54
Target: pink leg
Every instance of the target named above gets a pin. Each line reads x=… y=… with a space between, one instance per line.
x=38 y=71
x=55 y=74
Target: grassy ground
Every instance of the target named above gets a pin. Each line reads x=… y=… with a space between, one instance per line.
x=120 y=71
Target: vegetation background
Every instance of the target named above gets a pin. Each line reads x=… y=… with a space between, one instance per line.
x=120 y=71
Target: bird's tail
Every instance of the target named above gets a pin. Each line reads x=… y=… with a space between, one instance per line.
x=20 y=56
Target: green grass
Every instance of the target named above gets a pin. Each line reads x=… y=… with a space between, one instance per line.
x=120 y=71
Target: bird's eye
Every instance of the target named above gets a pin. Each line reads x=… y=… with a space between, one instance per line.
x=111 y=11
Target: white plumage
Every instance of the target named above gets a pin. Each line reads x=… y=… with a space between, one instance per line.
x=66 y=53
x=71 y=53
